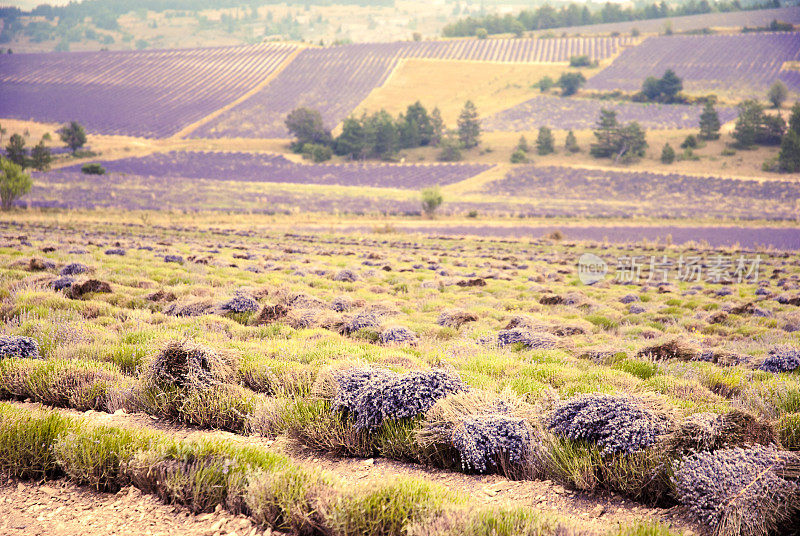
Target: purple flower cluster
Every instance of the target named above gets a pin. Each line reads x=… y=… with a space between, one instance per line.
x=530 y=339
x=781 y=359
x=115 y=251
x=616 y=423
x=177 y=259
x=566 y=113
x=481 y=439
x=738 y=488
x=228 y=166
x=743 y=62
x=140 y=93
x=241 y=303
x=398 y=335
x=62 y=283
x=18 y=346
x=346 y=275
x=372 y=397
x=74 y=268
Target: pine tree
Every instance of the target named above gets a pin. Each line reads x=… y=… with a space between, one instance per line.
x=545 y=142
x=522 y=145
x=41 y=157
x=789 y=156
x=74 y=135
x=571 y=143
x=709 y=123
x=437 y=127
x=667 y=154
x=794 y=120
x=16 y=151
x=607 y=134
x=469 y=128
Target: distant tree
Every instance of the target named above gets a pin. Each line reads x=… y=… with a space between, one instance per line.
x=522 y=145
x=777 y=93
x=481 y=33
x=751 y=115
x=794 y=120
x=16 y=151
x=73 y=135
x=771 y=131
x=437 y=127
x=570 y=83
x=789 y=155
x=544 y=141
x=519 y=157
x=41 y=157
x=544 y=83
x=416 y=36
x=651 y=88
x=580 y=61
x=632 y=142
x=93 y=169
x=469 y=128
x=690 y=142
x=709 y=123
x=14 y=183
x=306 y=126
x=571 y=143
x=352 y=142
x=381 y=135
x=667 y=154
x=3 y=132
x=317 y=152
x=606 y=133
x=450 y=146
x=432 y=199
x=415 y=127
x=517 y=28
x=670 y=85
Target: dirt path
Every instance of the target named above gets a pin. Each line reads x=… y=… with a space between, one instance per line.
x=61 y=508
x=598 y=512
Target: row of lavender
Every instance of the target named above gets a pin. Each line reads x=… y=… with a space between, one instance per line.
x=335 y=80
x=564 y=113
x=142 y=93
x=255 y=167
x=743 y=63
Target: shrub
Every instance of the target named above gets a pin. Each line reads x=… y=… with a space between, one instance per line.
x=519 y=157
x=455 y=318
x=74 y=268
x=481 y=439
x=61 y=283
x=690 y=142
x=317 y=152
x=18 y=346
x=346 y=275
x=183 y=364
x=93 y=169
x=789 y=431
x=115 y=251
x=26 y=443
x=373 y=396
x=431 y=200
x=667 y=154
x=239 y=304
x=398 y=335
x=529 y=339
x=14 y=183
x=781 y=359
x=712 y=431
x=615 y=423
x=177 y=259
x=78 y=290
x=740 y=491
x=288 y=500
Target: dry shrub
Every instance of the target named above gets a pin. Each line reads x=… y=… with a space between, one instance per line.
x=480 y=431
x=161 y=295
x=313 y=318
x=711 y=431
x=675 y=348
x=78 y=290
x=270 y=313
x=190 y=308
x=455 y=318
x=182 y=364
x=291 y=500
x=268 y=418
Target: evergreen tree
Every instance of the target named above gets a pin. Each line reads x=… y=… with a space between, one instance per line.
x=789 y=156
x=469 y=128
x=632 y=142
x=670 y=85
x=422 y=130
x=777 y=93
x=570 y=83
x=751 y=115
x=73 y=135
x=14 y=183
x=571 y=143
x=667 y=154
x=544 y=141
x=794 y=120
x=606 y=133
x=522 y=145
x=16 y=151
x=709 y=123
x=437 y=127
x=381 y=134
x=41 y=157
x=450 y=147
x=352 y=142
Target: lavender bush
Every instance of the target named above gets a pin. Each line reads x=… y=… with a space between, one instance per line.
x=616 y=423
x=18 y=346
x=782 y=359
x=481 y=439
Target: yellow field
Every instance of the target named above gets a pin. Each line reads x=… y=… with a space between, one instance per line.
x=448 y=84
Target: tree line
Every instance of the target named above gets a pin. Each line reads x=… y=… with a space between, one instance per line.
x=548 y=17
x=381 y=136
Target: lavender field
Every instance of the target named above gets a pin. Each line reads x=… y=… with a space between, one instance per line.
x=742 y=64
x=252 y=167
x=142 y=93
x=335 y=80
x=570 y=113
x=598 y=192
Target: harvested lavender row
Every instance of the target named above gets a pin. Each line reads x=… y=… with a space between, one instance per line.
x=740 y=491
x=255 y=167
x=481 y=439
x=616 y=423
x=375 y=397
x=747 y=62
x=139 y=93
x=564 y=113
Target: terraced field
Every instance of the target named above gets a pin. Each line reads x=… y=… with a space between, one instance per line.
x=743 y=64
x=147 y=93
x=507 y=392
